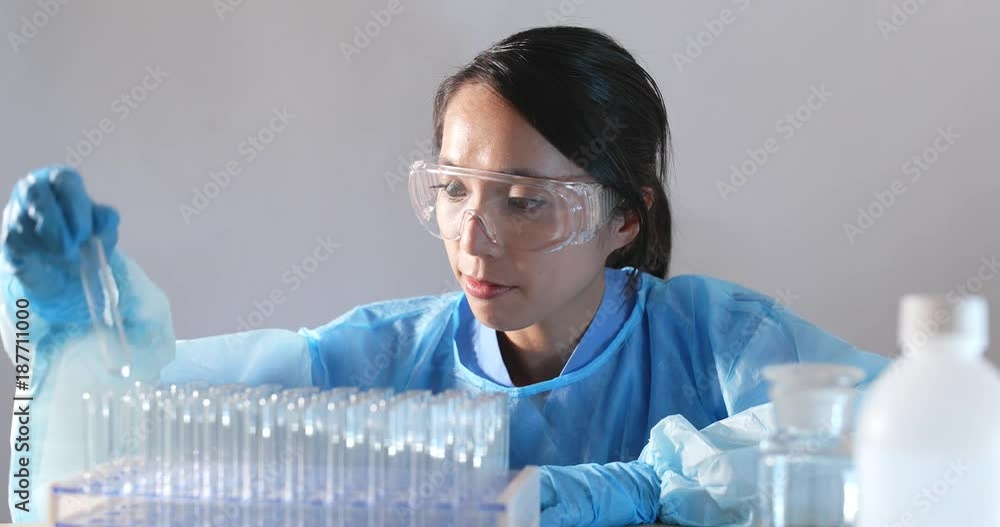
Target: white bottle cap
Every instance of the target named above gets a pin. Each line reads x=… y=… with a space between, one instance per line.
x=959 y=320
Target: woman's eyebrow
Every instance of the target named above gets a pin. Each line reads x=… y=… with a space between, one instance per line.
x=523 y=172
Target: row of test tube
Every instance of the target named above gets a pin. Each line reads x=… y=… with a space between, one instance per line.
x=300 y=445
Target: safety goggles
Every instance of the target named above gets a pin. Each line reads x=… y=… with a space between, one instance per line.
x=515 y=212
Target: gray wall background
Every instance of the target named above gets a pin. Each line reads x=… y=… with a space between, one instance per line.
x=895 y=73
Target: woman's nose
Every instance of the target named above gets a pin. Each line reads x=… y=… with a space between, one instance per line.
x=477 y=236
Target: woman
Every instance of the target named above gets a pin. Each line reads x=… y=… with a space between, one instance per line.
x=548 y=193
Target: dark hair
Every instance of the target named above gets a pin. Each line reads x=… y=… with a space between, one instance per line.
x=587 y=96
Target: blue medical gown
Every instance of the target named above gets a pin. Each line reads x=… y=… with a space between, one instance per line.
x=660 y=425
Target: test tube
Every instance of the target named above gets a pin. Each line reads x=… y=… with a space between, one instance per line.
x=313 y=456
x=165 y=443
x=250 y=409
x=269 y=455
x=418 y=441
x=189 y=438
x=317 y=434
x=101 y=294
x=355 y=447
x=291 y=449
x=441 y=437
x=128 y=428
x=98 y=428
x=376 y=419
x=504 y=432
x=290 y=445
x=356 y=451
x=484 y=466
x=149 y=430
x=184 y=443
x=207 y=455
x=335 y=423
x=224 y=427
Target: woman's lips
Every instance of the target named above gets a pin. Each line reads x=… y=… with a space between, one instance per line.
x=484 y=290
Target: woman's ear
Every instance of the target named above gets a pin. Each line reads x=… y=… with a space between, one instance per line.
x=627 y=228
x=648 y=196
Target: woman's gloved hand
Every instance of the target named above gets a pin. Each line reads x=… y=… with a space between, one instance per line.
x=46 y=222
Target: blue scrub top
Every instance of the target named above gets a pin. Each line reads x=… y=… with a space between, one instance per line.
x=692 y=346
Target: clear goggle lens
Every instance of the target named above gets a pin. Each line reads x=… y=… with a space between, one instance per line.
x=516 y=212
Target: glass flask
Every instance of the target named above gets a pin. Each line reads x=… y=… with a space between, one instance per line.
x=805 y=475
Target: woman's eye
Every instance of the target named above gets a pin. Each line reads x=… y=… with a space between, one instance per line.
x=452 y=189
x=525 y=205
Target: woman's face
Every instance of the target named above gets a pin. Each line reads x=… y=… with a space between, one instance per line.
x=481 y=130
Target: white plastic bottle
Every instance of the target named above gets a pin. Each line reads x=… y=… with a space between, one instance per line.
x=927 y=450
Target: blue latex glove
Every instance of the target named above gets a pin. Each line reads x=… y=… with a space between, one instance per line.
x=599 y=495
x=683 y=476
x=45 y=224
x=47 y=220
